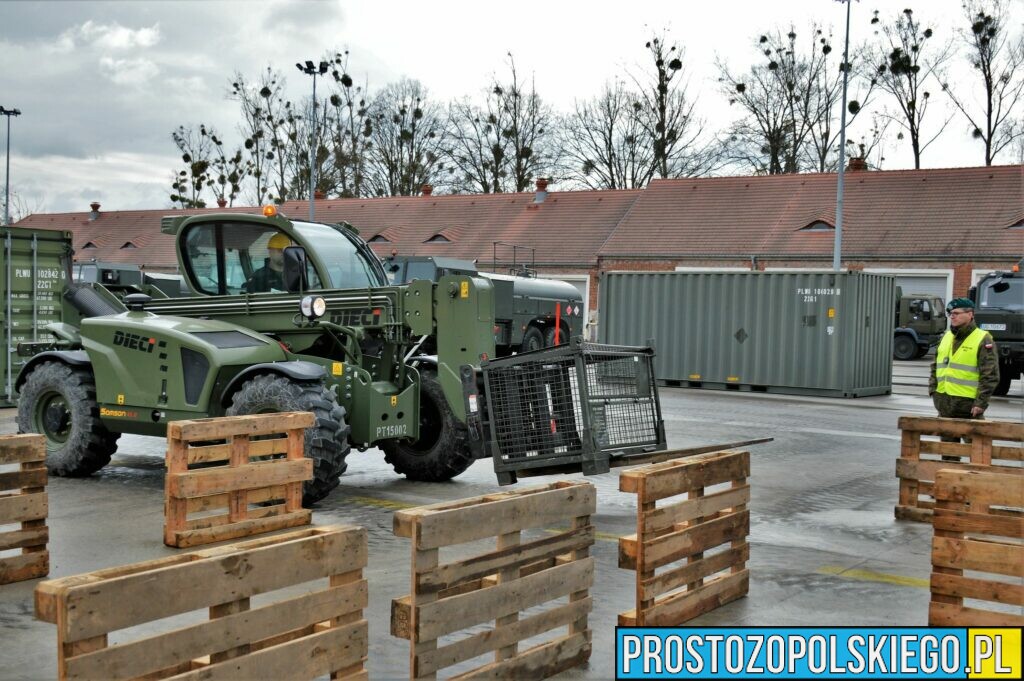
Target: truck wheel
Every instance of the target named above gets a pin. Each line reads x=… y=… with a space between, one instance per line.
x=549 y=337
x=533 y=339
x=1005 y=378
x=442 y=450
x=904 y=348
x=326 y=442
x=921 y=352
x=59 y=402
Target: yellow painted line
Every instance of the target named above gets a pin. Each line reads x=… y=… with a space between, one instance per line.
x=872 y=576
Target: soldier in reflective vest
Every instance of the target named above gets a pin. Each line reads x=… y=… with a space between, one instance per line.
x=966 y=367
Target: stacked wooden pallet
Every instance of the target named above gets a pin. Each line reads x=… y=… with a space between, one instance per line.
x=248 y=484
x=497 y=585
x=23 y=501
x=992 y=445
x=675 y=578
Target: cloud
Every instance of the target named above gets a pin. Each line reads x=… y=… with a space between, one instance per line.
x=128 y=71
x=108 y=36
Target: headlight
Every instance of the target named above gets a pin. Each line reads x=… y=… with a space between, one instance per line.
x=313 y=307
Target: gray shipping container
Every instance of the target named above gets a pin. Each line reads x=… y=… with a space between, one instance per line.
x=32 y=279
x=818 y=333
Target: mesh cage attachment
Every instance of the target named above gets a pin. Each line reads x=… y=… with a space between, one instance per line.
x=579 y=403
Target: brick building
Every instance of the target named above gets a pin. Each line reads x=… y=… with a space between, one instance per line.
x=936 y=230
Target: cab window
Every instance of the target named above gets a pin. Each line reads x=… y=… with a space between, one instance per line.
x=1003 y=294
x=234 y=258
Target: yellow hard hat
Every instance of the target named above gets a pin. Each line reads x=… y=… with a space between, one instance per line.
x=279 y=241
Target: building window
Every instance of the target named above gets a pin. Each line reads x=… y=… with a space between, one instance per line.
x=438 y=239
x=1017 y=225
x=89 y=244
x=817 y=226
x=379 y=239
x=128 y=244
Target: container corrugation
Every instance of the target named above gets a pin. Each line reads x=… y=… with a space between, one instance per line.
x=823 y=333
x=32 y=279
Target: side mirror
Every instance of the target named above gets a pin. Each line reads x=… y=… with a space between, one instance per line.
x=295 y=269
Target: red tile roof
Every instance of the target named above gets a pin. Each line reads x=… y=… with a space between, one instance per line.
x=950 y=212
x=918 y=213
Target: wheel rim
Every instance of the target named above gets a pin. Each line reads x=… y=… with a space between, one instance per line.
x=431 y=425
x=53 y=418
x=534 y=343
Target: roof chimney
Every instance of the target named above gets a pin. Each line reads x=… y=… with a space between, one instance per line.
x=319 y=195
x=427 y=189
x=222 y=202
x=95 y=214
x=542 y=190
x=856 y=164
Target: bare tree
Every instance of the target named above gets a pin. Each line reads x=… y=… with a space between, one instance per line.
x=605 y=144
x=903 y=71
x=188 y=183
x=227 y=171
x=999 y=60
x=870 y=147
x=22 y=205
x=478 y=151
x=407 y=135
x=252 y=102
x=348 y=120
x=667 y=115
x=505 y=143
x=789 y=100
x=826 y=91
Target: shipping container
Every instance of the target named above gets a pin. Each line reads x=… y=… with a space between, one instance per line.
x=818 y=333
x=33 y=272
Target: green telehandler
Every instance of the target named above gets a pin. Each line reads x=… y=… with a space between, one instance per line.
x=275 y=315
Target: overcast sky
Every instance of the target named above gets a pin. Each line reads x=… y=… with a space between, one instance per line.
x=102 y=84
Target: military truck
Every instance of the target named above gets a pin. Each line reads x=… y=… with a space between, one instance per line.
x=999 y=309
x=920 y=324
x=527 y=309
x=336 y=340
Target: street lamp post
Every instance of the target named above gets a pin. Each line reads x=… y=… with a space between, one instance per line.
x=7 y=182
x=311 y=69
x=837 y=248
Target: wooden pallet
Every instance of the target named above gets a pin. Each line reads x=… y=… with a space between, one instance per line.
x=496 y=585
x=251 y=496
x=713 y=514
x=970 y=536
x=23 y=500
x=917 y=472
x=321 y=631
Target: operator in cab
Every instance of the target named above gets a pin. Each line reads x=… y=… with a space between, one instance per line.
x=270 y=277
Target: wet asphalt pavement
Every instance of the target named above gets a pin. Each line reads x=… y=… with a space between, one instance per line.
x=825 y=549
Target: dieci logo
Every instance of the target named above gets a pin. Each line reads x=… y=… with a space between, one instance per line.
x=134 y=341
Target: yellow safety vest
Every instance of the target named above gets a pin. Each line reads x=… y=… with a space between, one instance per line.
x=957 y=372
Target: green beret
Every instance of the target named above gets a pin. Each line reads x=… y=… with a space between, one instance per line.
x=961 y=303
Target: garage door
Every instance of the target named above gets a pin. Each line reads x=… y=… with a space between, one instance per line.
x=916 y=283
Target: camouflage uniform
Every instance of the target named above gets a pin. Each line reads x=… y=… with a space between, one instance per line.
x=265 y=279
x=951 y=406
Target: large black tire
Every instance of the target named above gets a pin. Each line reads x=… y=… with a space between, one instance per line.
x=326 y=441
x=442 y=450
x=549 y=337
x=1005 y=378
x=904 y=348
x=533 y=339
x=921 y=352
x=59 y=402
